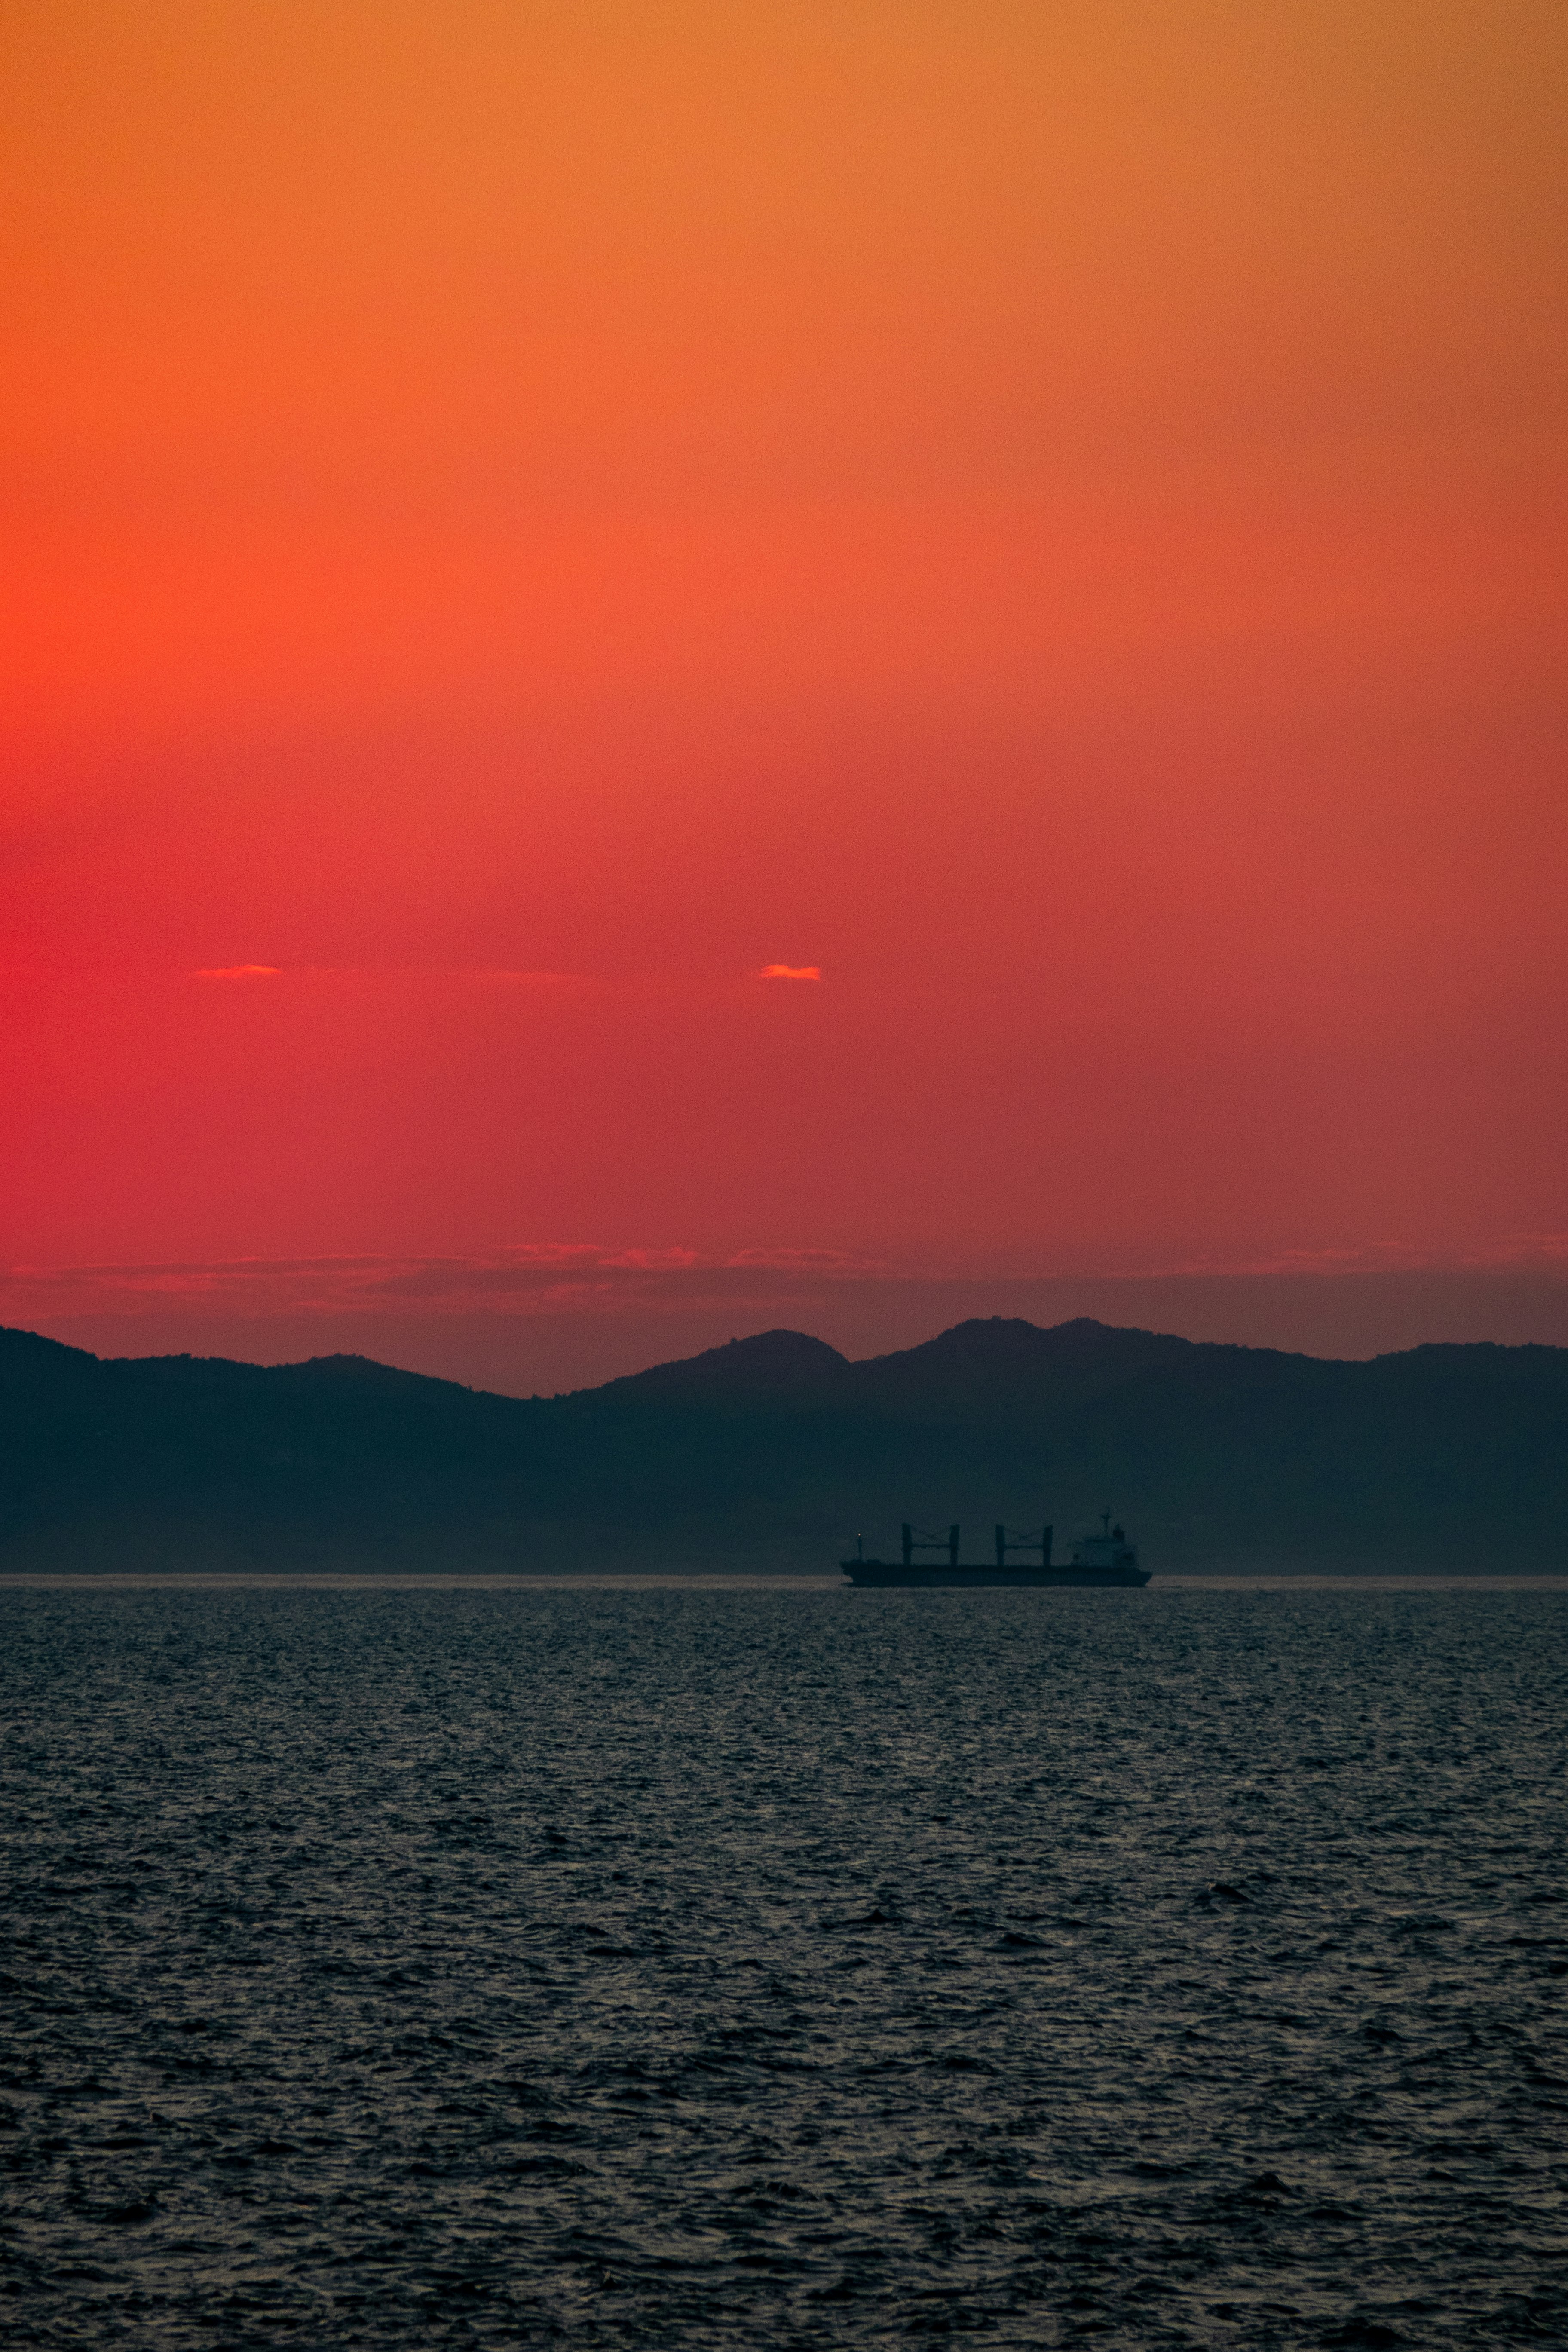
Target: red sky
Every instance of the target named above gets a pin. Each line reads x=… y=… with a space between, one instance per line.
x=520 y=516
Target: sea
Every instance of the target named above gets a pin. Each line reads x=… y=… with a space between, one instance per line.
x=639 y=1964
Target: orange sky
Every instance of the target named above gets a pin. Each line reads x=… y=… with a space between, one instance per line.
x=519 y=516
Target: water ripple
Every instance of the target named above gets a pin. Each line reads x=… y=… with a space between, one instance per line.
x=799 y=1967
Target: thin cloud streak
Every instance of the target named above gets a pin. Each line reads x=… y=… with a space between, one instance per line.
x=501 y=975
x=1519 y=1252
x=543 y=1277
x=668 y=1300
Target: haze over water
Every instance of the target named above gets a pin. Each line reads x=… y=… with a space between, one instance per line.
x=802 y=1968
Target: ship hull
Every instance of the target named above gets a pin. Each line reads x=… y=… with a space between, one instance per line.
x=886 y=1574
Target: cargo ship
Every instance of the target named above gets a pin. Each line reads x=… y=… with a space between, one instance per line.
x=1107 y=1557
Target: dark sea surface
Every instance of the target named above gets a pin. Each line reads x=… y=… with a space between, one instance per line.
x=784 y=1968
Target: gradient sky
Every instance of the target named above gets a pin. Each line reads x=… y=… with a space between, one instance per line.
x=518 y=517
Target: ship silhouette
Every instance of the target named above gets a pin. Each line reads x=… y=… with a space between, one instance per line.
x=1107 y=1557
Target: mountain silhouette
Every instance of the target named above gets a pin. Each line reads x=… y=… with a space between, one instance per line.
x=774 y=1452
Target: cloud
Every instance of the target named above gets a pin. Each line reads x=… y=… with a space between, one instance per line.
x=585 y=1278
x=790 y=971
x=401 y=975
x=1520 y=1253
x=549 y=1277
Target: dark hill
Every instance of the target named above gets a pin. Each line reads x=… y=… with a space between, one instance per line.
x=774 y=1452
x=1006 y=1370
x=777 y=1368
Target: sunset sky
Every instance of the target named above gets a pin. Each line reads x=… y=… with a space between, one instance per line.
x=897 y=641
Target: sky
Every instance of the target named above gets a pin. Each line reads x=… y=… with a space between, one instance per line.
x=789 y=661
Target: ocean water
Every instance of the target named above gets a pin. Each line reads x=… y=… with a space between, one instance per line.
x=784 y=1968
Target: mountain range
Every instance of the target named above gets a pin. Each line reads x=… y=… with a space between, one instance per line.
x=776 y=1453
